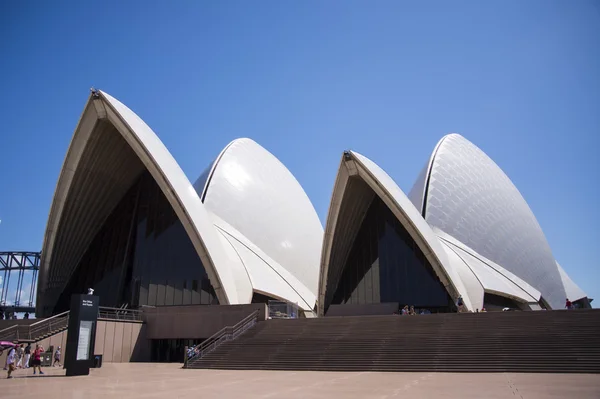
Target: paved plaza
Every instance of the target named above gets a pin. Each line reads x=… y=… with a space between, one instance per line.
x=151 y=380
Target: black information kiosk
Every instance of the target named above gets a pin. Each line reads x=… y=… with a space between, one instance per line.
x=81 y=335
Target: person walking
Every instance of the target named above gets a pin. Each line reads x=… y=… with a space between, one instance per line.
x=27 y=355
x=10 y=360
x=57 y=358
x=37 y=359
x=460 y=304
x=20 y=356
x=568 y=304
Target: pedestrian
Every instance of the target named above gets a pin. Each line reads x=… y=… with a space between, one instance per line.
x=10 y=361
x=57 y=357
x=37 y=359
x=20 y=356
x=27 y=355
x=460 y=304
x=568 y=304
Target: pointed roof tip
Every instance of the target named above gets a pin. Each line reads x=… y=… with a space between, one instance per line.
x=452 y=134
x=242 y=139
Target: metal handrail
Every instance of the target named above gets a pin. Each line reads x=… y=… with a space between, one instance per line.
x=49 y=318
x=30 y=331
x=108 y=313
x=59 y=321
x=225 y=334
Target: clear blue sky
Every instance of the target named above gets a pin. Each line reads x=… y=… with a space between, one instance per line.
x=520 y=79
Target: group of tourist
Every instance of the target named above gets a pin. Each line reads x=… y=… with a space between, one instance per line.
x=193 y=351
x=411 y=311
x=9 y=314
x=20 y=357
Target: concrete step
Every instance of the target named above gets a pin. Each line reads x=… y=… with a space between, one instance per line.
x=557 y=341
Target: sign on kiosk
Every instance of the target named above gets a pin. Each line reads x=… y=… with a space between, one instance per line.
x=81 y=335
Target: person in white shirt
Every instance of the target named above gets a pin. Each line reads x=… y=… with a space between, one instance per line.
x=10 y=361
x=57 y=358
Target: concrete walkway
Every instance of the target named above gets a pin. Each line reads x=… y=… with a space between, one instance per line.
x=151 y=380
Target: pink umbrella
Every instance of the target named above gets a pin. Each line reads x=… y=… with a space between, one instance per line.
x=7 y=344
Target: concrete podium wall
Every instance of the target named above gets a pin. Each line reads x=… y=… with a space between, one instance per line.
x=122 y=342
x=196 y=322
x=116 y=341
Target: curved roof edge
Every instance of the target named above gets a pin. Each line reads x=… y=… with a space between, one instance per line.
x=167 y=174
x=266 y=276
x=574 y=293
x=418 y=192
x=355 y=164
x=470 y=197
x=253 y=191
x=211 y=170
x=530 y=291
x=493 y=278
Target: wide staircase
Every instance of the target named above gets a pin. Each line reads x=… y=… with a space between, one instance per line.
x=543 y=341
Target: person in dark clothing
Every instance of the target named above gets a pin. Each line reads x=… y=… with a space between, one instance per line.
x=27 y=356
x=460 y=304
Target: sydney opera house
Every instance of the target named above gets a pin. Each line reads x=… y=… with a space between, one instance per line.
x=126 y=221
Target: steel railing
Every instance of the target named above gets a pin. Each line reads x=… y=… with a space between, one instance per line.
x=226 y=334
x=120 y=314
x=29 y=332
x=59 y=322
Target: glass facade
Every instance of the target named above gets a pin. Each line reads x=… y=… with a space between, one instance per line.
x=170 y=350
x=141 y=256
x=497 y=302
x=385 y=265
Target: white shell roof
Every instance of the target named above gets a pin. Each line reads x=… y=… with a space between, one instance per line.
x=256 y=194
x=491 y=277
x=435 y=252
x=387 y=189
x=467 y=195
x=262 y=273
x=255 y=202
x=155 y=157
x=572 y=290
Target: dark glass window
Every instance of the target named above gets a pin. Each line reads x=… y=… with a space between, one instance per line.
x=261 y=298
x=170 y=350
x=496 y=302
x=386 y=265
x=141 y=256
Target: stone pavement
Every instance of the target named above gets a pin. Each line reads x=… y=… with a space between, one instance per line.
x=152 y=380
